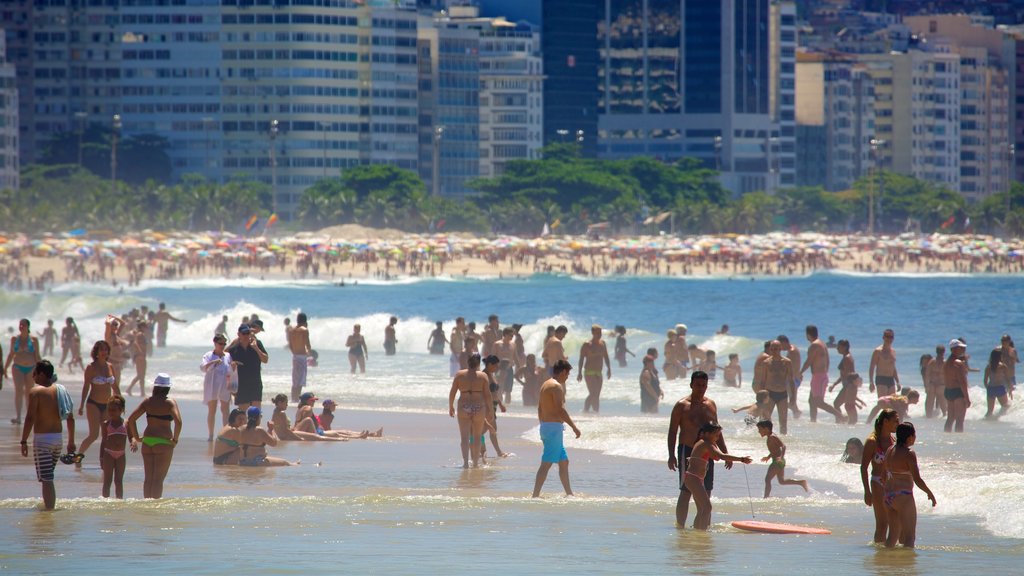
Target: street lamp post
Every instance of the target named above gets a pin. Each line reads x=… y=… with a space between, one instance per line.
x=562 y=133
x=875 y=143
x=579 y=137
x=80 y=121
x=718 y=153
x=435 y=177
x=273 y=165
x=113 y=153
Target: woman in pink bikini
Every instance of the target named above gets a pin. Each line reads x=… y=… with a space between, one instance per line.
x=874 y=456
x=704 y=450
x=113 y=446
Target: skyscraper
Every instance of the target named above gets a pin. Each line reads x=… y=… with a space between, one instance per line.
x=9 y=164
x=570 y=50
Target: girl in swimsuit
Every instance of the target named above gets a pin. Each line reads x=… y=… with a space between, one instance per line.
x=98 y=388
x=474 y=392
x=24 y=353
x=227 y=450
x=254 y=441
x=902 y=474
x=874 y=456
x=697 y=467
x=159 y=440
x=112 y=447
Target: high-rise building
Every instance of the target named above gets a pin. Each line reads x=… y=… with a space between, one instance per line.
x=449 y=105
x=9 y=164
x=511 y=89
x=711 y=80
x=988 y=77
x=570 y=51
x=917 y=114
x=835 y=115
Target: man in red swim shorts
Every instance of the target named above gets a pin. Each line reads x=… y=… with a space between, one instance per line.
x=817 y=361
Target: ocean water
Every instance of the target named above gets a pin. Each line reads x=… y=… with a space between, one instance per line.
x=402 y=504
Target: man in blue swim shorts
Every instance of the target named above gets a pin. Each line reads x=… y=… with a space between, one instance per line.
x=553 y=415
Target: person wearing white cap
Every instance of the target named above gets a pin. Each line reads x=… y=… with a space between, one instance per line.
x=955 y=377
x=159 y=439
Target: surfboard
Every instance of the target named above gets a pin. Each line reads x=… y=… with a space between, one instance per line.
x=777 y=528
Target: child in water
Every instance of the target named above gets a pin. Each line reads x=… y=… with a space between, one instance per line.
x=777 y=454
x=902 y=475
x=733 y=372
x=898 y=402
x=854 y=451
x=112 y=447
x=620 y=346
x=697 y=467
x=757 y=411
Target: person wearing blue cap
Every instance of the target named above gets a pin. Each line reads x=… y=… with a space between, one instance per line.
x=254 y=440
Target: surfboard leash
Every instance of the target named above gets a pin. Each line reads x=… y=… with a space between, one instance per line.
x=750 y=498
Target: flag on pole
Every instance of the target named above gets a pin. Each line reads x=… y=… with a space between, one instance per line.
x=948 y=222
x=271 y=221
x=252 y=222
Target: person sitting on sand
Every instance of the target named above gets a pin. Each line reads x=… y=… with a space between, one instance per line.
x=704 y=450
x=254 y=441
x=777 y=454
x=902 y=474
x=282 y=426
x=898 y=402
x=327 y=418
x=307 y=421
x=227 y=450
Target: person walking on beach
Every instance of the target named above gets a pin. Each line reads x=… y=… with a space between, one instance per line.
x=698 y=467
x=902 y=474
x=554 y=350
x=218 y=369
x=48 y=404
x=954 y=375
x=594 y=357
x=98 y=388
x=777 y=455
x=1010 y=358
x=873 y=456
x=882 y=372
x=934 y=388
x=248 y=356
x=300 y=347
x=473 y=389
x=508 y=362
x=650 y=386
x=162 y=318
x=778 y=377
x=437 y=340
x=67 y=334
x=113 y=445
x=24 y=356
x=817 y=361
x=357 y=351
x=553 y=416
x=688 y=416
x=160 y=437
x=390 y=338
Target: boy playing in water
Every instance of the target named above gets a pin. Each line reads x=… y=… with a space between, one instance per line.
x=777 y=454
x=757 y=411
x=732 y=372
x=898 y=402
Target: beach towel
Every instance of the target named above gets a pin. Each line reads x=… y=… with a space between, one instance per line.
x=64 y=402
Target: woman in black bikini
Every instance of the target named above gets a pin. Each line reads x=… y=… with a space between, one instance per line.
x=98 y=388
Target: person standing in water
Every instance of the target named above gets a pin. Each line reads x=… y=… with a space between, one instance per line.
x=875 y=447
x=882 y=372
x=357 y=351
x=594 y=357
x=697 y=469
x=954 y=375
x=473 y=389
x=777 y=455
x=818 y=361
x=49 y=335
x=902 y=475
x=298 y=344
x=437 y=340
x=162 y=318
x=621 y=348
x=553 y=416
x=390 y=339
x=48 y=404
x=24 y=356
x=159 y=438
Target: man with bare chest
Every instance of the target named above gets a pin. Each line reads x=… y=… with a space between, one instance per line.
x=882 y=372
x=778 y=377
x=688 y=415
x=594 y=357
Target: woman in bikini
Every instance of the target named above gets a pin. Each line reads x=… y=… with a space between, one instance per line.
x=874 y=456
x=254 y=441
x=227 y=450
x=117 y=346
x=281 y=426
x=697 y=467
x=902 y=474
x=159 y=440
x=138 y=352
x=113 y=446
x=99 y=387
x=23 y=354
x=357 y=352
x=473 y=388
x=997 y=381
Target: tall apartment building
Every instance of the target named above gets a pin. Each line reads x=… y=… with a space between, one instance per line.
x=917 y=114
x=988 y=77
x=449 y=105
x=835 y=112
x=569 y=47
x=9 y=164
x=511 y=89
x=711 y=80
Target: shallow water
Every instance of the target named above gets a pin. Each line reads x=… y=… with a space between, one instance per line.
x=402 y=504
